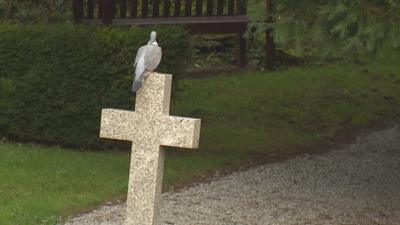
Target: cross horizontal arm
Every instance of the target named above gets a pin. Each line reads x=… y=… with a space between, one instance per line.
x=180 y=132
x=117 y=124
x=170 y=131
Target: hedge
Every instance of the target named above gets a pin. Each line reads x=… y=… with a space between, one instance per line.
x=55 y=79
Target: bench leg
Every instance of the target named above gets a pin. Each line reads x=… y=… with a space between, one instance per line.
x=241 y=50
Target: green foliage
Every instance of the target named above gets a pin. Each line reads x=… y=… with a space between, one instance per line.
x=31 y=11
x=328 y=29
x=213 y=50
x=55 y=79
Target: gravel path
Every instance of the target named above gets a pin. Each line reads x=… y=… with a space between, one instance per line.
x=356 y=185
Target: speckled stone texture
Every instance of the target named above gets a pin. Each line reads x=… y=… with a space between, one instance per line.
x=149 y=128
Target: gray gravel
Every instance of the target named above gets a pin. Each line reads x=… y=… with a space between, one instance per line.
x=355 y=185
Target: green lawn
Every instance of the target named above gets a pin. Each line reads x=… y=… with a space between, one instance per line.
x=38 y=183
x=263 y=112
x=243 y=116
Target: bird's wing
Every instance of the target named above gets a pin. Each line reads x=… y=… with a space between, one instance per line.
x=140 y=68
x=152 y=58
x=139 y=53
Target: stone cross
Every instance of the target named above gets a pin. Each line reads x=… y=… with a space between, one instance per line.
x=148 y=128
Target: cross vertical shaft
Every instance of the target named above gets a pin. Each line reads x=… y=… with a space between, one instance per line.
x=154 y=98
x=145 y=179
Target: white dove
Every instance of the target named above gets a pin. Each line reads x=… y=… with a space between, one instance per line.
x=147 y=59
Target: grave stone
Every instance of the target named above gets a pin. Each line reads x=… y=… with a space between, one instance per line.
x=150 y=128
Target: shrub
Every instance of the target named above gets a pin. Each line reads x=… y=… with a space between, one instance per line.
x=55 y=79
x=36 y=11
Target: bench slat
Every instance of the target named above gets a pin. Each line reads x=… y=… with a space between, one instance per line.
x=133 y=8
x=199 y=7
x=78 y=9
x=156 y=9
x=182 y=20
x=244 y=8
x=90 y=9
x=203 y=24
x=177 y=8
x=220 y=7
x=166 y=8
x=210 y=5
x=114 y=8
x=100 y=10
x=107 y=11
x=145 y=8
x=122 y=9
x=241 y=7
x=188 y=7
x=231 y=5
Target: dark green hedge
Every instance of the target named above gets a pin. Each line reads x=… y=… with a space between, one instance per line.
x=55 y=79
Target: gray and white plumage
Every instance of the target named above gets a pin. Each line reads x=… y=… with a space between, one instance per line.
x=147 y=60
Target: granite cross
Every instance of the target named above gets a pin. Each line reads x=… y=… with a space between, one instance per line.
x=149 y=128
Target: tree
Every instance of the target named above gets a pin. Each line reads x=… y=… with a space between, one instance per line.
x=333 y=28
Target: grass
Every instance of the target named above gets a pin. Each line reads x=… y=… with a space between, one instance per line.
x=269 y=112
x=244 y=115
x=39 y=185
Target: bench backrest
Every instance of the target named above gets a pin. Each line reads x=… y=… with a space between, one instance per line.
x=109 y=9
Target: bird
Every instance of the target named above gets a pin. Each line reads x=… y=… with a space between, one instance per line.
x=147 y=59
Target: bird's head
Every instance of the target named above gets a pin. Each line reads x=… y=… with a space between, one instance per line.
x=153 y=37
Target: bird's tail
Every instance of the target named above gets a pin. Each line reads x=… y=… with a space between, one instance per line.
x=136 y=85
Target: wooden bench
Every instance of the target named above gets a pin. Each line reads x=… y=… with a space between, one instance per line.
x=198 y=16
